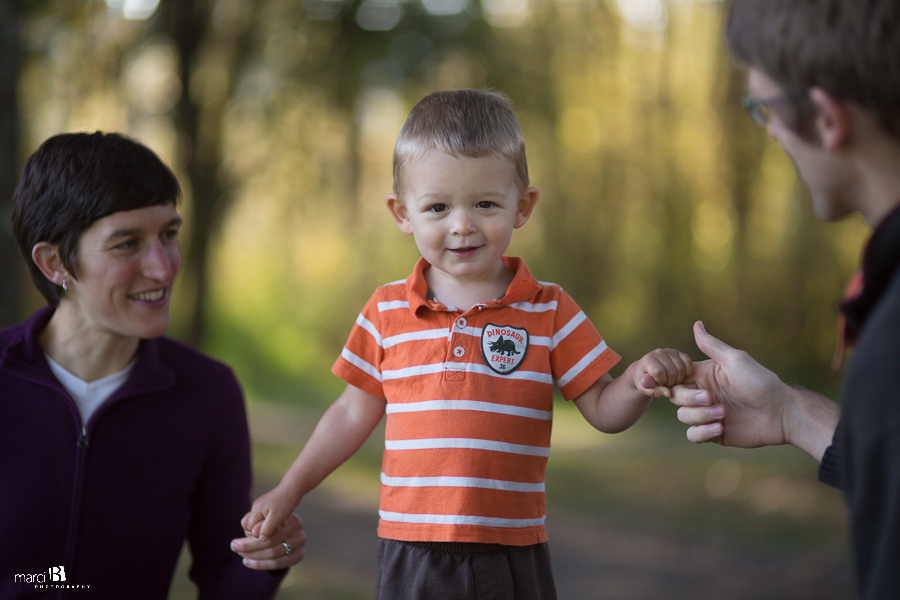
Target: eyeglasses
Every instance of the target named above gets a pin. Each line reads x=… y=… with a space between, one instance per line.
x=761 y=109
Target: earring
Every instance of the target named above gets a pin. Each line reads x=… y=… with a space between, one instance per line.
x=65 y=289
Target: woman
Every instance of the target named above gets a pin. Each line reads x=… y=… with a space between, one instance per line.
x=117 y=444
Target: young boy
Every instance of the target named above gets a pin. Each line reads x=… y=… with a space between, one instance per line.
x=462 y=356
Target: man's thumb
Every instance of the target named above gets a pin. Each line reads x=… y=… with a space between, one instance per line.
x=714 y=348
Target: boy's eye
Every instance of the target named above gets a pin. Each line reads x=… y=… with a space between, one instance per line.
x=437 y=208
x=486 y=204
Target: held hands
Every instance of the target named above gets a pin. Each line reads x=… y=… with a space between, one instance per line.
x=659 y=370
x=268 y=512
x=284 y=549
x=739 y=403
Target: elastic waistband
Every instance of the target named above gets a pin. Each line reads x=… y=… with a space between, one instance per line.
x=469 y=548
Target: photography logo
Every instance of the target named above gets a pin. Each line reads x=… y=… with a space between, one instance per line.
x=53 y=574
x=54 y=578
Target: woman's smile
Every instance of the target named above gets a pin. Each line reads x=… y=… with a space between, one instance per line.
x=150 y=297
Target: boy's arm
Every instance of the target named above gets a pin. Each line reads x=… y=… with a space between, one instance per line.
x=340 y=432
x=614 y=405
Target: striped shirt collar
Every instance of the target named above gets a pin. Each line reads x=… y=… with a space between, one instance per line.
x=523 y=287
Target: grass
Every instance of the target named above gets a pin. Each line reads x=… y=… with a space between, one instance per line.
x=651 y=479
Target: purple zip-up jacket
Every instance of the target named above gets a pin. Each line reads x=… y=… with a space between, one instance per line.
x=165 y=459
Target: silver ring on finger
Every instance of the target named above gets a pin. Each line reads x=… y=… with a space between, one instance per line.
x=287 y=548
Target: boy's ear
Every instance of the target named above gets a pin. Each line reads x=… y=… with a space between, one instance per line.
x=833 y=121
x=399 y=212
x=526 y=204
x=46 y=256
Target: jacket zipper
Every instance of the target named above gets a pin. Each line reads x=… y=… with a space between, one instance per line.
x=80 y=455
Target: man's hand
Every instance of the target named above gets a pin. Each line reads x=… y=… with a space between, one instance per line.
x=731 y=399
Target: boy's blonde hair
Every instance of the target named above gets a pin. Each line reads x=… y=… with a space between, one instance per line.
x=471 y=123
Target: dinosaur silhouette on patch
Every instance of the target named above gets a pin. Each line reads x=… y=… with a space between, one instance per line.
x=501 y=346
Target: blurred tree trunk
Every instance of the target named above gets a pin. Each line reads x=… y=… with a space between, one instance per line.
x=744 y=147
x=199 y=116
x=10 y=264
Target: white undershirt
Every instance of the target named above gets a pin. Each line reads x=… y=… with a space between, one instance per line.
x=89 y=395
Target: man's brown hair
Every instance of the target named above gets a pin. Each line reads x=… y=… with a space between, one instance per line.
x=849 y=48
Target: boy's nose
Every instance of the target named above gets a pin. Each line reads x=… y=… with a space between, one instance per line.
x=463 y=224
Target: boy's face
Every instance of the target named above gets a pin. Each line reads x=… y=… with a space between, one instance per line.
x=461 y=211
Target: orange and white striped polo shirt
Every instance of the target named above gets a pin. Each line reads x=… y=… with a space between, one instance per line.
x=469 y=404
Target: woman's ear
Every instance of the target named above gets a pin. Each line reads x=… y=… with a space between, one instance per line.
x=46 y=256
x=526 y=204
x=399 y=212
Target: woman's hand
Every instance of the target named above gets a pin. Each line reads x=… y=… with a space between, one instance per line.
x=283 y=549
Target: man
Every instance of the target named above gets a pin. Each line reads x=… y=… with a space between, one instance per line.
x=824 y=78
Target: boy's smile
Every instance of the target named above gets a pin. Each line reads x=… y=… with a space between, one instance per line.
x=461 y=212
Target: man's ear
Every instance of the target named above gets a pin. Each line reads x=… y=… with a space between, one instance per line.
x=46 y=256
x=526 y=204
x=833 y=119
x=399 y=212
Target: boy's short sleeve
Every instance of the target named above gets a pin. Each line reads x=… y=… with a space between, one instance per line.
x=360 y=361
x=578 y=354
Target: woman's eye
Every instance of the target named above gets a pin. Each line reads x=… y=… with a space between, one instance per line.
x=126 y=245
x=171 y=234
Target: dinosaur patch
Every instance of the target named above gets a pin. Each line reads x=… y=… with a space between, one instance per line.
x=503 y=347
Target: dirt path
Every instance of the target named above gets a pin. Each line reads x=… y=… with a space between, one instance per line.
x=592 y=557
x=591 y=561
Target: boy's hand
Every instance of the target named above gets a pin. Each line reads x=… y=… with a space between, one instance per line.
x=267 y=514
x=661 y=369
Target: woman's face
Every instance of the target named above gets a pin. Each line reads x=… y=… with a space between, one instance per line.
x=126 y=264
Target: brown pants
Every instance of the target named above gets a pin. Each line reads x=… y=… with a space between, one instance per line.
x=457 y=571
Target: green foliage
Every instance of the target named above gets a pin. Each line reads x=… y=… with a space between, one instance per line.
x=661 y=203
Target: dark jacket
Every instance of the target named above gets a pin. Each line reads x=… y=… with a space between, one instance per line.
x=864 y=459
x=165 y=459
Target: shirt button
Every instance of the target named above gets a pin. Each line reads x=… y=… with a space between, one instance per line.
x=461 y=323
x=459 y=352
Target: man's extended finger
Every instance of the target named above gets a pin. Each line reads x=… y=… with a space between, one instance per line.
x=662 y=392
x=713 y=347
x=686 y=395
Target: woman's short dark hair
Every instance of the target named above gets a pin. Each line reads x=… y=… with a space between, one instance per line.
x=74 y=179
x=850 y=48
